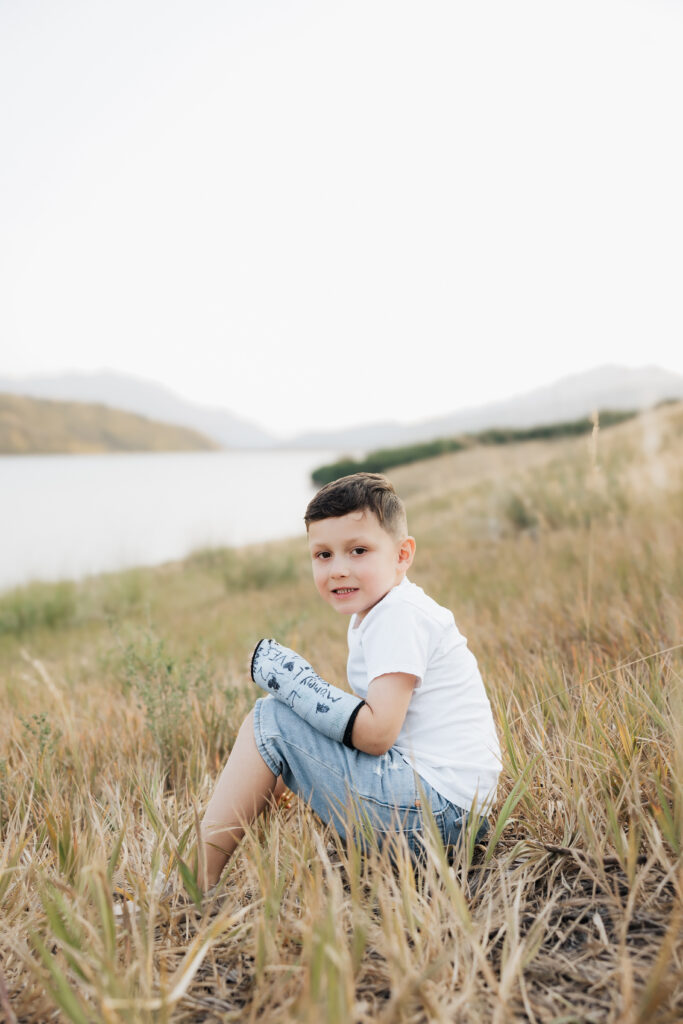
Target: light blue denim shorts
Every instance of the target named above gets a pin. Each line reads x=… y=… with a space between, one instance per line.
x=383 y=793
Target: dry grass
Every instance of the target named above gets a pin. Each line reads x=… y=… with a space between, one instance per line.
x=563 y=566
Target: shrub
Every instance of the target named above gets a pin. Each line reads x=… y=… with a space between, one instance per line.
x=166 y=690
x=39 y=605
x=189 y=717
x=519 y=514
x=248 y=569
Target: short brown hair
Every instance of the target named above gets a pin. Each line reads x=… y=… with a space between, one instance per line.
x=358 y=492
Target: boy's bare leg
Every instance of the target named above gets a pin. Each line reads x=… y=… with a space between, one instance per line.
x=244 y=788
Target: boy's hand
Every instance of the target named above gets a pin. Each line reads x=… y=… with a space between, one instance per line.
x=285 y=675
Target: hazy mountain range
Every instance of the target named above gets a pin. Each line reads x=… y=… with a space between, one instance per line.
x=606 y=387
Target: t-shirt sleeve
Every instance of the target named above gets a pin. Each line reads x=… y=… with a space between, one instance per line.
x=397 y=640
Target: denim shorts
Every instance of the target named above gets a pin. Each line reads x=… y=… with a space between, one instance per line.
x=383 y=794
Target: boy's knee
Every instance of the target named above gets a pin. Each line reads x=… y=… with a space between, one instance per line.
x=276 y=728
x=274 y=716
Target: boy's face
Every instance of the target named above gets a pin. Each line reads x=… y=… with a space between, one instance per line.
x=356 y=562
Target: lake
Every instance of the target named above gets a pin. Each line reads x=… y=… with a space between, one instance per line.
x=67 y=516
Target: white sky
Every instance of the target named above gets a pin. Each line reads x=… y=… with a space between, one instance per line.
x=322 y=213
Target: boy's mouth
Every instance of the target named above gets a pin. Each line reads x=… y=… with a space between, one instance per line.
x=341 y=591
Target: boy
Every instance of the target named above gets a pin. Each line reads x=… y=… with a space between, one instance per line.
x=418 y=725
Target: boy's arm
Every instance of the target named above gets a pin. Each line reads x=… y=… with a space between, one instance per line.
x=379 y=721
x=285 y=675
x=371 y=725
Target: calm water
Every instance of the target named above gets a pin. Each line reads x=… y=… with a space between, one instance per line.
x=65 y=516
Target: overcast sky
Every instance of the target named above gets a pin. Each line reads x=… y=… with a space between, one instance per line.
x=325 y=213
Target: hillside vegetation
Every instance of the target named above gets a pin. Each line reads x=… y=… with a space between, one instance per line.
x=121 y=697
x=384 y=459
x=42 y=426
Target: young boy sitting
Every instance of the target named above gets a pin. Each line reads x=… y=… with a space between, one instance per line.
x=418 y=725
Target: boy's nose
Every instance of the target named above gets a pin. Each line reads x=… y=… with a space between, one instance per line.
x=340 y=569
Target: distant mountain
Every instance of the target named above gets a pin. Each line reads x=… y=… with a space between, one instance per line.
x=613 y=387
x=30 y=426
x=146 y=398
x=607 y=387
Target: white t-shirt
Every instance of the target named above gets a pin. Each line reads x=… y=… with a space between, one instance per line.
x=448 y=735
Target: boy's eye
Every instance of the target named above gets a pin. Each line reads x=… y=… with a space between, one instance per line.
x=322 y=554
x=359 y=551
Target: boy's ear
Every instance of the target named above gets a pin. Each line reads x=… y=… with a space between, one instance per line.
x=406 y=552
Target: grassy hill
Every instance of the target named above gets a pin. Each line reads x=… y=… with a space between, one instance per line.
x=42 y=426
x=385 y=459
x=120 y=698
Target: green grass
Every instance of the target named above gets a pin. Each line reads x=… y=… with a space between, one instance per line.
x=563 y=564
